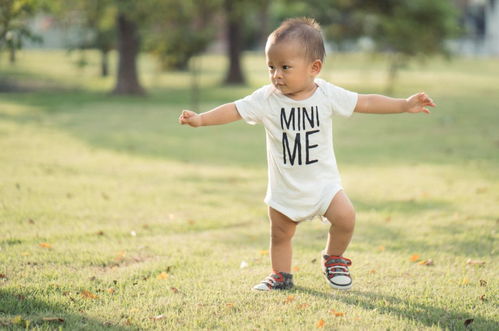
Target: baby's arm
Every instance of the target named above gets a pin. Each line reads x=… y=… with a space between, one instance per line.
x=221 y=115
x=380 y=104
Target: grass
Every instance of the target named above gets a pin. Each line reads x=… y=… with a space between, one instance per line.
x=112 y=216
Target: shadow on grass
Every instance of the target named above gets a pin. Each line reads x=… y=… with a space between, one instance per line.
x=18 y=310
x=145 y=127
x=148 y=127
x=420 y=313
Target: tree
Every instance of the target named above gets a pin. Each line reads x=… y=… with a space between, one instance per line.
x=14 y=26
x=233 y=28
x=181 y=30
x=96 y=19
x=408 y=29
x=237 y=14
x=127 y=81
x=401 y=29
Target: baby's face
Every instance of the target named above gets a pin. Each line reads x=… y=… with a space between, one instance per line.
x=290 y=71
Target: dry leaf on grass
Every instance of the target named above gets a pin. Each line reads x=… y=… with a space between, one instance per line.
x=121 y=255
x=174 y=290
x=45 y=245
x=110 y=290
x=475 y=262
x=289 y=299
x=414 y=257
x=303 y=306
x=336 y=313
x=88 y=294
x=264 y=252
x=296 y=268
x=2 y=276
x=162 y=275
x=159 y=317
x=320 y=324
x=483 y=283
x=465 y=281
x=428 y=262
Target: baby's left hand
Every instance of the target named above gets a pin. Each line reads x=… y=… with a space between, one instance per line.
x=419 y=102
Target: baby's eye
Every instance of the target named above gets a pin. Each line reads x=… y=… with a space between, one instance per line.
x=271 y=67
x=286 y=67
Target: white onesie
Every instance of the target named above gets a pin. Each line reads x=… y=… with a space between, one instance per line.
x=302 y=174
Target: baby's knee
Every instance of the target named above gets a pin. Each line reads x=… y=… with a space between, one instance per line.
x=344 y=219
x=280 y=233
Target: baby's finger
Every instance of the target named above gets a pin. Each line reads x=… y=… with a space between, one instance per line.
x=427 y=101
x=182 y=120
x=187 y=113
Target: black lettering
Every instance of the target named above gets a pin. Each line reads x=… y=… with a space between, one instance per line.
x=296 y=149
x=311 y=120
x=298 y=111
x=289 y=120
x=317 y=114
x=308 y=147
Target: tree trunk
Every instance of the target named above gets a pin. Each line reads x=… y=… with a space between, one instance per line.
x=394 y=64
x=128 y=49
x=263 y=30
x=12 y=55
x=234 y=45
x=104 y=62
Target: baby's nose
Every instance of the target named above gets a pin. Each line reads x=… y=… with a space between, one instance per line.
x=277 y=73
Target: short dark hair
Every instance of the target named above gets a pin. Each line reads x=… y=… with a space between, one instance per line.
x=306 y=31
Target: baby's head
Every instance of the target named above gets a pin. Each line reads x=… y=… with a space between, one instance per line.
x=295 y=53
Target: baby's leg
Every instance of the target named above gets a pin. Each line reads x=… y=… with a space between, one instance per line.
x=282 y=229
x=341 y=215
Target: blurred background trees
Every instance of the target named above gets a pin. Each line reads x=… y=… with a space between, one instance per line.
x=14 y=29
x=175 y=31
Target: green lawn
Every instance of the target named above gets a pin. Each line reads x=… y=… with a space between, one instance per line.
x=112 y=216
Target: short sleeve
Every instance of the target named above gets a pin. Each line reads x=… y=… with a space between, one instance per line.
x=343 y=101
x=252 y=107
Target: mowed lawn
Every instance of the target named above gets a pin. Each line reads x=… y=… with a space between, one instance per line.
x=113 y=216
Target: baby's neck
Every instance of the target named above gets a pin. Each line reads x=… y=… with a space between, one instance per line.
x=305 y=93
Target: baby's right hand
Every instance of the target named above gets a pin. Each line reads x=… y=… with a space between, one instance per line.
x=190 y=118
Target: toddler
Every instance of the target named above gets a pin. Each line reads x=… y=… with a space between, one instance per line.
x=303 y=180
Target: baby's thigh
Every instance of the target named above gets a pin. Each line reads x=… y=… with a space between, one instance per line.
x=281 y=223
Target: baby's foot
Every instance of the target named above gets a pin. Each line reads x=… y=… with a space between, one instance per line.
x=335 y=269
x=275 y=281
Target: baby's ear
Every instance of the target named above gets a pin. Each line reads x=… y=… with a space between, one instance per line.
x=316 y=67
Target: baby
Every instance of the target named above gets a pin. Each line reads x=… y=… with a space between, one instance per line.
x=303 y=179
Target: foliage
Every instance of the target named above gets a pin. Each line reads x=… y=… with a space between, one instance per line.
x=413 y=27
x=180 y=30
x=95 y=18
x=13 y=23
x=342 y=21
